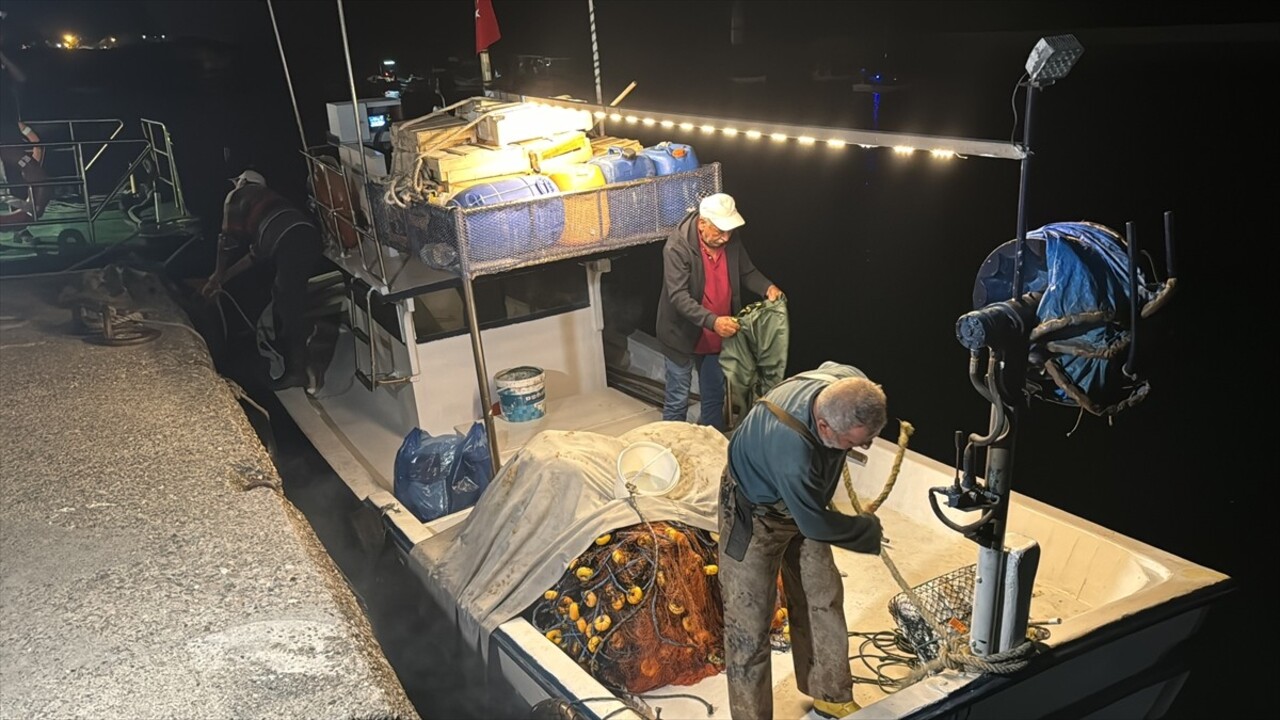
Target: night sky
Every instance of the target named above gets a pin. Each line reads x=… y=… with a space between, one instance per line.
x=1166 y=110
x=551 y=26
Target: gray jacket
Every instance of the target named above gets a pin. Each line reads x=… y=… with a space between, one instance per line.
x=681 y=316
x=776 y=467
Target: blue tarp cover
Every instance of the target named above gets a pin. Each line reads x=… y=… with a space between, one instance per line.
x=1084 y=315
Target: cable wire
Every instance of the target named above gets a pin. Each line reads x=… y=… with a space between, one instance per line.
x=288 y=78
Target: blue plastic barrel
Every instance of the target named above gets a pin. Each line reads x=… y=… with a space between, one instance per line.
x=622 y=165
x=531 y=222
x=669 y=159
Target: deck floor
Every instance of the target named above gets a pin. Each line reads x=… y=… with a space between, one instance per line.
x=147 y=558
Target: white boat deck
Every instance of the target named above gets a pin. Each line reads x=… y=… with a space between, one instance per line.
x=1111 y=602
x=358 y=428
x=1091 y=581
x=607 y=411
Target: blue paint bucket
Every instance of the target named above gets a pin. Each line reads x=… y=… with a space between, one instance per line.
x=522 y=393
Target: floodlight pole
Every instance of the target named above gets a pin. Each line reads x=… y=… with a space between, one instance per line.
x=1022 y=191
x=992 y=629
x=1003 y=586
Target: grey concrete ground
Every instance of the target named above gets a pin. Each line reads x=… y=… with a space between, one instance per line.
x=149 y=565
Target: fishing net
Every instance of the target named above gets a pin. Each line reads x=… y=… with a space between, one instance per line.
x=640 y=609
x=780 y=625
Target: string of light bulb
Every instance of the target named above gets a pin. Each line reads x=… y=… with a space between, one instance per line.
x=937 y=146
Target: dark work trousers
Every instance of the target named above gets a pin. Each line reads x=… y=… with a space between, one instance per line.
x=815 y=607
x=296 y=256
x=19 y=166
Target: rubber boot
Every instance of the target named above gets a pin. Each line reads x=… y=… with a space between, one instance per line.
x=823 y=710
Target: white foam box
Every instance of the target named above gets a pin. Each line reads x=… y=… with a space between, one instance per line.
x=374 y=160
x=413 y=137
x=527 y=122
x=473 y=162
x=548 y=154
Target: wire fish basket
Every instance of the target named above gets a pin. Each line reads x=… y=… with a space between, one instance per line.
x=947 y=600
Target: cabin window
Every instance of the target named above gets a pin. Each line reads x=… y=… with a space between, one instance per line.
x=504 y=299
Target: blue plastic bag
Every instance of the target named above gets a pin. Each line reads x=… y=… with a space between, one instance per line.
x=438 y=476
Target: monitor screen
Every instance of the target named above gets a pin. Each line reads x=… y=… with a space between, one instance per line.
x=377 y=122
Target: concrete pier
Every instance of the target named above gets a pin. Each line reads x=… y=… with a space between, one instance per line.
x=150 y=566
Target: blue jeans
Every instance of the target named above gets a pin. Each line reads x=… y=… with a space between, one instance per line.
x=675 y=405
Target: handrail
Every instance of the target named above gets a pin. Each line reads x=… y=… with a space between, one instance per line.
x=363 y=234
x=156 y=141
x=72 y=143
x=71 y=131
x=148 y=128
x=119 y=186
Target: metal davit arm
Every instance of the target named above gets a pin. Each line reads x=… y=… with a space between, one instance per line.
x=482 y=372
x=477 y=345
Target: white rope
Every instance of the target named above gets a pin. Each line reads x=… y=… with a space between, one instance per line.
x=404 y=190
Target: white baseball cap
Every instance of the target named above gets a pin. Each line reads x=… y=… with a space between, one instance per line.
x=249 y=176
x=720 y=210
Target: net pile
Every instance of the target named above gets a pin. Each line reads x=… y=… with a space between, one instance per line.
x=640 y=609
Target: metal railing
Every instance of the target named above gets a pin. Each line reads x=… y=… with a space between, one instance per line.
x=85 y=153
x=150 y=128
x=346 y=228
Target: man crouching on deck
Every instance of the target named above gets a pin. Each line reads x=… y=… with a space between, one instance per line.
x=785 y=463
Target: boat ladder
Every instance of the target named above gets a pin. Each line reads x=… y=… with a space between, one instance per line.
x=368 y=336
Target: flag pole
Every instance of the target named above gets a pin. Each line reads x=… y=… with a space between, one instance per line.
x=487 y=33
x=486 y=71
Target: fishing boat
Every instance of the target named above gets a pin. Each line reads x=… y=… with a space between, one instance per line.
x=112 y=188
x=1025 y=611
x=1029 y=610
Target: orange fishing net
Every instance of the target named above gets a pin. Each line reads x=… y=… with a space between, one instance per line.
x=780 y=625
x=640 y=609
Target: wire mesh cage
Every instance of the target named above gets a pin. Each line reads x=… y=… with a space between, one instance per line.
x=947 y=600
x=494 y=238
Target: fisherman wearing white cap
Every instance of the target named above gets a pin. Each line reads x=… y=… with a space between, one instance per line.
x=275 y=231
x=703 y=276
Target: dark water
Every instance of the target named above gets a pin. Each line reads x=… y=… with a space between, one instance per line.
x=878 y=255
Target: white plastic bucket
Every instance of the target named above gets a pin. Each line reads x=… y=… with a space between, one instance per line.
x=522 y=393
x=650 y=467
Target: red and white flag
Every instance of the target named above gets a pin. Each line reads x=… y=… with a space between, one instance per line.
x=487 y=32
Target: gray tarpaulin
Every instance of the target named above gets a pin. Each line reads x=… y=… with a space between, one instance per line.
x=546 y=506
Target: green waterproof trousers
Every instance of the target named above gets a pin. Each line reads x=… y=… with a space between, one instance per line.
x=754 y=359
